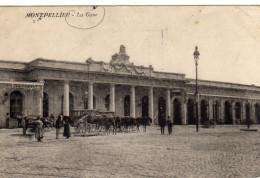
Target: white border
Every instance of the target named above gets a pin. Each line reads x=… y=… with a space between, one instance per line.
x=126 y=2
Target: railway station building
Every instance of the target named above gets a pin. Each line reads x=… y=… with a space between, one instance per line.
x=44 y=87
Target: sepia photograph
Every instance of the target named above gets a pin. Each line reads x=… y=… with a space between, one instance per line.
x=130 y=91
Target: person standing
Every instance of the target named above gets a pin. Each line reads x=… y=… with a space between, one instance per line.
x=58 y=125
x=162 y=123
x=169 y=124
x=19 y=117
x=52 y=120
x=38 y=129
x=66 y=132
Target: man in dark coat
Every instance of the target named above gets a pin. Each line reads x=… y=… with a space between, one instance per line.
x=58 y=125
x=162 y=123
x=66 y=132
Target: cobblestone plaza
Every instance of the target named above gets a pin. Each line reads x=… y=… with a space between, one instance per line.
x=224 y=151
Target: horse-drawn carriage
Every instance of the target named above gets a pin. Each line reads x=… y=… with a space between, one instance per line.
x=97 y=121
x=91 y=120
x=30 y=122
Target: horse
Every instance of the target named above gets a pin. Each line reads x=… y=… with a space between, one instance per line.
x=117 y=124
x=80 y=124
x=144 y=121
x=128 y=123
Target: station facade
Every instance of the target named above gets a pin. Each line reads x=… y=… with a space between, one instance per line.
x=44 y=87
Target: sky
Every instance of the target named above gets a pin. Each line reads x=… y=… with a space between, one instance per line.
x=228 y=38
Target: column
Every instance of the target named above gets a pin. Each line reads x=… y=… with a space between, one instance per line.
x=151 y=103
x=132 y=109
x=233 y=108
x=168 y=103
x=90 y=95
x=40 y=100
x=183 y=107
x=66 y=105
x=112 y=98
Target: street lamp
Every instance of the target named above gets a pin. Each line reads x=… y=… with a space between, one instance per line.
x=196 y=55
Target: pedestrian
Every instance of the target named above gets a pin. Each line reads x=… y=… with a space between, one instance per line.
x=38 y=129
x=162 y=123
x=25 y=126
x=66 y=132
x=7 y=119
x=58 y=125
x=169 y=124
x=19 y=117
x=52 y=120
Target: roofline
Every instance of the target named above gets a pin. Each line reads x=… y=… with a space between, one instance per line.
x=6 y=61
x=211 y=81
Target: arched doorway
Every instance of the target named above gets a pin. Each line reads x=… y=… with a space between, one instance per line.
x=204 y=111
x=191 y=112
x=248 y=112
x=161 y=109
x=107 y=102
x=257 y=113
x=228 y=113
x=145 y=106
x=45 y=105
x=177 y=120
x=238 y=113
x=216 y=111
x=16 y=103
x=127 y=105
x=71 y=104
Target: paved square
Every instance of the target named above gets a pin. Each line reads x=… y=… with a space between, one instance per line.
x=224 y=151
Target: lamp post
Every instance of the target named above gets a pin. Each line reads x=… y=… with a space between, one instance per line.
x=196 y=55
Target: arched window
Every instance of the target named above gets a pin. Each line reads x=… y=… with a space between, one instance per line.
x=257 y=113
x=127 y=106
x=45 y=105
x=228 y=113
x=107 y=102
x=16 y=103
x=177 y=112
x=161 y=109
x=216 y=111
x=238 y=112
x=204 y=111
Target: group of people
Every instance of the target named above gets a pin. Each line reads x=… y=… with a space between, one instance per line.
x=163 y=122
x=62 y=121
